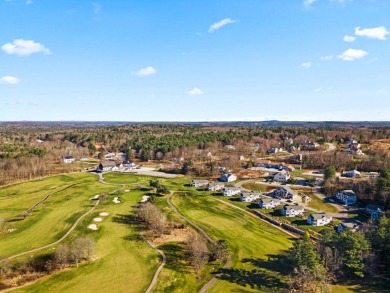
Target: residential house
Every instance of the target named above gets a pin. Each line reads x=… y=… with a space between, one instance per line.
x=249 y=196
x=354 y=146
x=352 y=174
x=375 y=211
x=230 y=191
x=309 y=145
x=319 y=219
x=285 y=192
x=129 y=164
x=110 y=155
x=268 y=203
x=288 y=140
x=348 y=197
x=353 y=226
x=199 y=183
x=282 y=176
x=107 y=166
x=269 y=165
x=227 y=177
x=274 y=150
x=215 y=186
x=351 y=141
x=292 y=211
x=68 y=159
x=299 y=157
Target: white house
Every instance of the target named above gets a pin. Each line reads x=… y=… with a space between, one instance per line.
x=107 y=166
x=230 y=191
x=348 y=197
x=282 y=176
x=215 y=186
x=68 y=159
x=347 y=225
x=352 y=174
x=285 y=192
x=199 y=183
x=309 y=145
x=319 y=219
x=268 y=203
x=292 y=211
x=249 y=196
x=228 y=177
x=274 y=150
x=375 y=211
x=128 y=164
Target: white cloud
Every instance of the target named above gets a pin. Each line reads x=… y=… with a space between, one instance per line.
x=97 y=8
x=9 y=80
x=352 y=54
x=306 y=65
x=222 y=23
x=379 y=32
x=308 y=3
x=349 y=39
x=195 y=92
x=326 y=58
x=28 y=2
x=146 y=71
x=22 y=47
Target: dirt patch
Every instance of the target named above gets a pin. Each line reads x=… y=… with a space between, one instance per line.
x=177 y=235
x=383 y=144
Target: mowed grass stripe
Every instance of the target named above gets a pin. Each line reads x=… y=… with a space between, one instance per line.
x=125 y=263
x=50 y=220
x=251 y=242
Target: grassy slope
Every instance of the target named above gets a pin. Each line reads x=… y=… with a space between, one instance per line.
x=250 y=241
x=125 y=262
x=54 y=217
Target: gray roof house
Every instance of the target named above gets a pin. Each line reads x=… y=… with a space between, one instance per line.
x=319 y=219
x=285 y=192
x=199 y=183
x=292 y=211
x=266 y=203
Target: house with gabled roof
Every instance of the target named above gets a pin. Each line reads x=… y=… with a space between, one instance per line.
x=292 y=211
x=319 y=219
x=285 y=192
x=268 y=203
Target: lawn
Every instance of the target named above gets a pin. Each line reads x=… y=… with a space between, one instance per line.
x=255 y=246
x=259 y=187
x=51 y=219
x=125 y=262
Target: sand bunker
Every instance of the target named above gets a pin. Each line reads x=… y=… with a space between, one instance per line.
x=97 y=219
x=116 y=200
x=145 y=198
x=127 y=190
x=93 y=227
x=96 y=197
x=103 y=214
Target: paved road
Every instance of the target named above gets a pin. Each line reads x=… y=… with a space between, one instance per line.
x=164 y=261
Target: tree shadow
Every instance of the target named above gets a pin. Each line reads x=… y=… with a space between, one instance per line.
x=133 y=222
x=234 y=199
x=274 y=262
x=263 y=276
x=253 y=205
x=176 y=257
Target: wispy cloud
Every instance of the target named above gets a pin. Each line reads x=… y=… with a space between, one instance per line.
x=379 y=32
x=23 y=47
x=349 y=39
x=195 y=92
x=28 y=2
x=9 y=80
x=143 y=72
x=326 y=58
x=97 y=8
x=220 y=24
x=306 y=65
x=352 y=54
x=308 y=3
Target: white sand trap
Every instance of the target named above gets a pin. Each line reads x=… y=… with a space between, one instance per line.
x=97 y=219
x=116 y=200
x=96 y=197
x=127 y=190
x=93 y=227
x=103 y=214
x=145 y=198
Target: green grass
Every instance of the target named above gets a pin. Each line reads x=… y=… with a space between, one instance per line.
x=259 y=187
x=51 y=219
x=319 y=204
x=125 y=262
x=255 y=246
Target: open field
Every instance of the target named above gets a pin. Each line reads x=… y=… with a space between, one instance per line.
x=250 y=242
x=125 y=263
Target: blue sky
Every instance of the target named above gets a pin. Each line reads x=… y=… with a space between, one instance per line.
x=198 y=60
